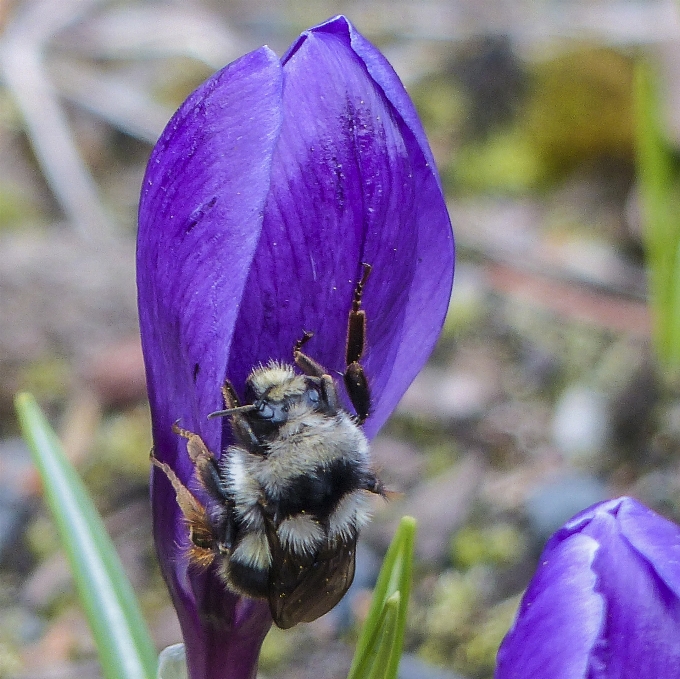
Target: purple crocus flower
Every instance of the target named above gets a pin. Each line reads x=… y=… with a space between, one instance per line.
x=266 y=192
x=604 y=603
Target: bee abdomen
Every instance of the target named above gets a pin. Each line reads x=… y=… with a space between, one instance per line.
x=301 y=534
x=350 y=515
x=246 y=580
x=246 y=569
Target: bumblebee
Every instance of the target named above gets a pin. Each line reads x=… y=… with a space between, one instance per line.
x=292 y=491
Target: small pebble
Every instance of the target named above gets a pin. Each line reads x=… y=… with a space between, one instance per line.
x=412 y=667
x=15 y=491
x=581 y=426
x=555 y=502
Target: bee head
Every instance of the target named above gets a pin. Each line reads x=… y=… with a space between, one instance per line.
x=274 y=390
x=274 y=393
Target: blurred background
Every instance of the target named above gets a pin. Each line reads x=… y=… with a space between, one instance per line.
x=551 y=388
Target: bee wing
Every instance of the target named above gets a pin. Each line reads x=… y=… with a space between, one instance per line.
x=302 y=590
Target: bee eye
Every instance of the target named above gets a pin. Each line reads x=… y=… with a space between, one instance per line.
x=264 y=410
x=312 y=396
x=273 y=413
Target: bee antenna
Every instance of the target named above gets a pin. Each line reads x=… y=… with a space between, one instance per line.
x=232 y=411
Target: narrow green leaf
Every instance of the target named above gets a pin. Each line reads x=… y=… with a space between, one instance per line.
x=120 y=632
x=673 y=314
x=394 y=578
x=658 y=181
x=385 y=648
x=367 y=647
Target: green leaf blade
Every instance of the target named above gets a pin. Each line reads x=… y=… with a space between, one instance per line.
x=382 y=636
x=120 y=632
x=386 y=646
x=660 y=202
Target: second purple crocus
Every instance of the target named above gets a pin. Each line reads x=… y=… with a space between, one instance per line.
x=267 y=191
x=604 y=602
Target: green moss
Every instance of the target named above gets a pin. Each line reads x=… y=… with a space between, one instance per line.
x=506 y=162
x=277 y=649
x=15 y=210
x=449 y=620
x=441 y=105
x=443 y=108
x=10 y=660
x=580 y=109
x=42 y=537
x=577 y=348
x=46 y=378
x=124 y=441
x=460 y=632
x=477 y=656
x=578 y=113
x=499 y=544
x=455 y=603
x=425 y=433
x=440 y=458
x=120 y=451
x=466 y=314
x=184 y=75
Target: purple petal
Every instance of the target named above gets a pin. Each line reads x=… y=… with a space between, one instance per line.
x=641 y=638
x=560 y=617
x=634 y=573
x=656 y=539
x=352 y=182
x=382 y=72
x=199 y=222
x=200 y=219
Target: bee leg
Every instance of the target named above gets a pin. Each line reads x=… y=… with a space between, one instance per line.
x=202 y=550
x=373 y=484
x=242 y=430
x=355 y=378
x=308 y=365
x=205 y=462
x=318 y=373
x=225 y=529
x=229 y=395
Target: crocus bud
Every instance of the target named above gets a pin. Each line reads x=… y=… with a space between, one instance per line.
x=267 y=192
x=604 y=602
